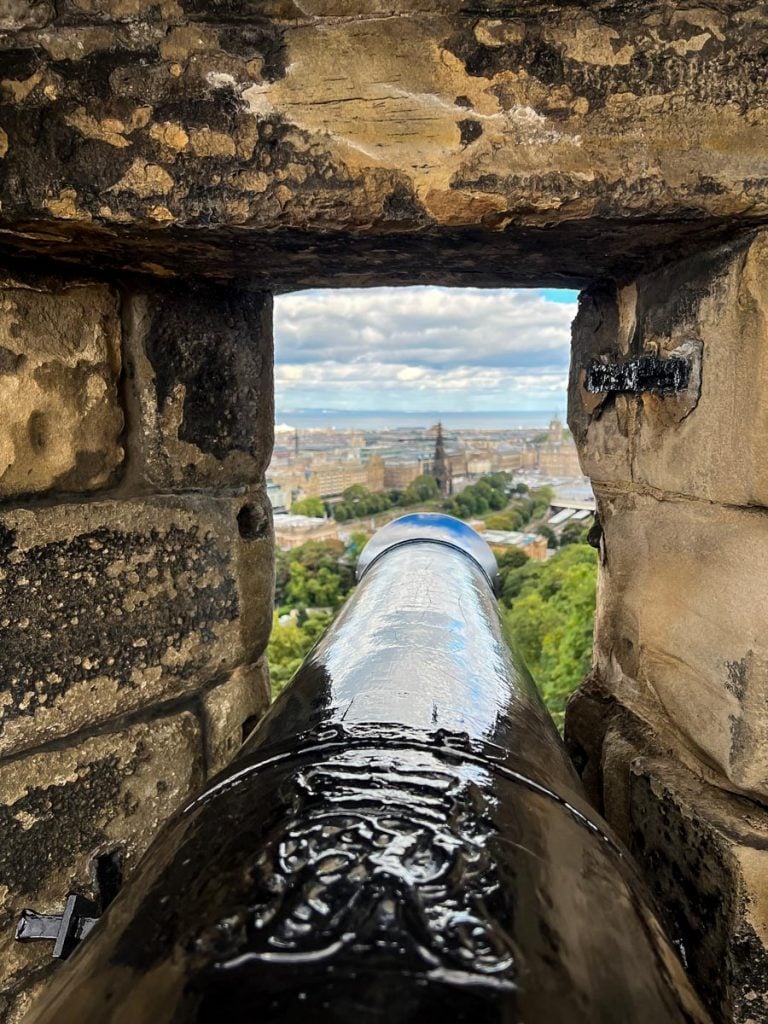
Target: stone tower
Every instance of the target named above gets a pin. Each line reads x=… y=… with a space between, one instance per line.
x=556 y=430
x=440 y=469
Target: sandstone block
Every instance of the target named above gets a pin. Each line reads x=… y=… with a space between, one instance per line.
x=705 y=855
x=69 y=814
x=231 y=711
x=200 y=369
x=107 y=607
x=59 y=365
x=703 y=850
x=680 y=626
x=711 y=441
x=17 y=997
x=561 y=141
x=602 y=430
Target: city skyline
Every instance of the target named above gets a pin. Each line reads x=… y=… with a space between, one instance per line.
x=423 y=350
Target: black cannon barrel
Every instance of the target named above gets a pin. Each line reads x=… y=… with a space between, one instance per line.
x=401 y=839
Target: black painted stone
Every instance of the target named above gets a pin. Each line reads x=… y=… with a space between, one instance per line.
x=647 y=374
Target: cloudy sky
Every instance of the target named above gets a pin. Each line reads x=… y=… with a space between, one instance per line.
x=423 y=349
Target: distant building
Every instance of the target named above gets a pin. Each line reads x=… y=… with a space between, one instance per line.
x=558 y=455
x=508 y=460
x=479 y=464
x=397 y=475
x=291 y=531
x=531 y=543
x=556 y=431
x=278 y=498
x=315 y=478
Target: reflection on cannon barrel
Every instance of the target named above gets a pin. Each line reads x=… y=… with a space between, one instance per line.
x=402 y=839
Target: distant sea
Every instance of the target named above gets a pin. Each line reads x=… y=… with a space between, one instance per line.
x=357 y=419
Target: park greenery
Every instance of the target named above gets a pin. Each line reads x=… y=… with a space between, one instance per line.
x=358 y=501
x=314 y=507
x=548 y=612
x=547 y=607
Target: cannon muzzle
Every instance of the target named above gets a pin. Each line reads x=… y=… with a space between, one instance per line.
x=403 y=838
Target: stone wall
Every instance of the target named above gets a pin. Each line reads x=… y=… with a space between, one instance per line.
x=135 y=577
x=147 y=146
x=673 y=719
x=380 y=140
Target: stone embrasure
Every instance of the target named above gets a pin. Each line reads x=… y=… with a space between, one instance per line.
x=711 y=441
x=558 y=142
x=682 y=486
x=108 y=607
x=704 y=852
x=673 y=718
x=200 y=367
x=63 y=809
x=60 y=359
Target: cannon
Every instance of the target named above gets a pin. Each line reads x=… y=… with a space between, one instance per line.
x=402 y=838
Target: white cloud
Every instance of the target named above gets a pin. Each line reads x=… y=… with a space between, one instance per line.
x=421 y=348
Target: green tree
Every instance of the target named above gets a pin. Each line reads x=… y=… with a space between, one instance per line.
x=510 y=519
x=514 y=579
x=575 y=533
x=549 y=533
x=423 y=488
x=550 y=620
x=314 y=589
x=356 y=544
x=312 y=581
x=357 y=501
x=488 y=494
x=512 y=558
x=355 y=493
x=309 y=507
x=543 y=495
x=314 y=554
x=282 y=576
x=289 y=644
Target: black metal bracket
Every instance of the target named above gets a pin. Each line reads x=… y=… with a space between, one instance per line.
x=646 y=374
x=65 y=930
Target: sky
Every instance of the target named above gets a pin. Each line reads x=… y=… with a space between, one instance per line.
x=423 y=349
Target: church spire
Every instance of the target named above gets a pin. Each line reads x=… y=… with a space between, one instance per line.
x=440 y=469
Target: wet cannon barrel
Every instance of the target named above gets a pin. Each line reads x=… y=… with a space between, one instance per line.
x=401 y=839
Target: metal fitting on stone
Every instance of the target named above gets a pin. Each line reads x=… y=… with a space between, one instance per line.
x=648 y=374
x=64 y=930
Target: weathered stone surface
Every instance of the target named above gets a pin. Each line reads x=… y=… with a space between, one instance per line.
x=111 y=606
x=560 y=139
x=59 y=364
x=200 y=364
x=680 y=626
x=704 y=852
x=710 y=441
x=17 y=998
x=63 y=809
x=231 y=711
